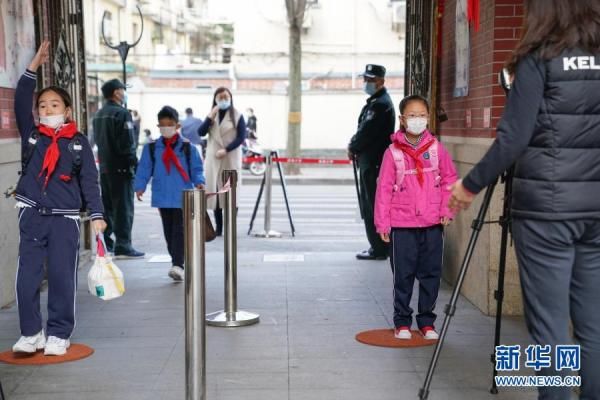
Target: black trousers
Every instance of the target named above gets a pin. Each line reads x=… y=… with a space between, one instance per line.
x=172 y=221
x=416 y=253
x=117 y=197
x=54 y=239
x=368 y=187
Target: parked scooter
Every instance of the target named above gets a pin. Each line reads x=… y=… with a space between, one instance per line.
x=252 y=149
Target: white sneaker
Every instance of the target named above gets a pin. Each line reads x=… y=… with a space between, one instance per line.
x=30 y=344
x=56 y=346
x=177 y=273
x=429 y=333
x=403 y=333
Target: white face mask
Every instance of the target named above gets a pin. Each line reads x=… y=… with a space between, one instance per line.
x=416 y=125
x=53 y=121
x=167 y=131
x=224 y=104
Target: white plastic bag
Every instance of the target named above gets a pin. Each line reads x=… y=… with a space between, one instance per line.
x=105 y=279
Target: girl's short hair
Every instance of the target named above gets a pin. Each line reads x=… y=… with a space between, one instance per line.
x=62 y=93
x=409 y=99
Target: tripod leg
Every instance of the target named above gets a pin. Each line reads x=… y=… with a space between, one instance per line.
x=285 y=197
x=1 y=392
x=505 y=221
x=260 y=192
x=451 y=307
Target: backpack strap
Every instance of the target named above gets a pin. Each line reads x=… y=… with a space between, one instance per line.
x=75 y=147
x=151 y=149
x=27 y=150
x=186 y=147
x=434 y=157
x=400 y=168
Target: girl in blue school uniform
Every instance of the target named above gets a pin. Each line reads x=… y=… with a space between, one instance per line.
x=174 y=165
x=59 y=177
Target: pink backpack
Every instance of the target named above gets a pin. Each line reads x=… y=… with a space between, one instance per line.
x=401 y=169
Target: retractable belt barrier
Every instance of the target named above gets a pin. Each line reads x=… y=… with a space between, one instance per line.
x=231 y=316
x=267 y=183
x=294 y=160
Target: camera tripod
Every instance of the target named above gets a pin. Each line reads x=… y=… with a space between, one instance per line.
x=476 y=226
x=1 y=392
x=504 y=80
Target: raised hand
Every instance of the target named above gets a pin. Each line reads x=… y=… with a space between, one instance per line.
x=42 y=56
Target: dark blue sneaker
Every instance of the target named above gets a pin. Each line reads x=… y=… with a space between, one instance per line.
x=129 y=255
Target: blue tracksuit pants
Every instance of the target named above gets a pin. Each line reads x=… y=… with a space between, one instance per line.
x=53 y=239
x=416 y=253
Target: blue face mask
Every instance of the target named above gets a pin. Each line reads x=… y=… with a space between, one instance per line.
x=369 y=88
x=125 y=99
x=224 y=104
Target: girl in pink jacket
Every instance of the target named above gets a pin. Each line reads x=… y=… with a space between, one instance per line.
x=411 y=212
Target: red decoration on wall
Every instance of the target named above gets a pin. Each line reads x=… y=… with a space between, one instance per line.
x=473 y=13
x=440 y=15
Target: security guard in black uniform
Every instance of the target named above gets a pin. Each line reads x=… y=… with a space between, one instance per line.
x=114 y=135
x=375 y=125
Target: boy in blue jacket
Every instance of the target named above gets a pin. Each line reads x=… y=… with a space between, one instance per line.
x=174 y=165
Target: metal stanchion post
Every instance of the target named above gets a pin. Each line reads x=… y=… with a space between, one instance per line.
x=194 y=209
x=268 y=233
x=231 y=316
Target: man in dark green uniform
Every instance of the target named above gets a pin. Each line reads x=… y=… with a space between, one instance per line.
x=114 y=135
x=375 y=125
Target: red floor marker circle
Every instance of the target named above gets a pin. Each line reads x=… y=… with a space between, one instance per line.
x=385 y=338
x=75 y=352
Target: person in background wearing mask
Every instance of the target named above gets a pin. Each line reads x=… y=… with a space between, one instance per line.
x=137 y=122
x=376 y=124
x=114 y=134
x=226 y=131
x=148 y=136
x=251 y=124
x=174 y=165
x=189 y=130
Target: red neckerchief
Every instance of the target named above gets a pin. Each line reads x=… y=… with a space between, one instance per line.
x=416 y=154
x=170 y=156
x=67 y=131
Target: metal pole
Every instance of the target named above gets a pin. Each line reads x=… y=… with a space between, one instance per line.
x=230 y=243
x=194 y=209
x=231 y=316
x=268 y=233
x=451 y=306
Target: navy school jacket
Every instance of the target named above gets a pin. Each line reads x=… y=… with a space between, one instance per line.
x=61 y=196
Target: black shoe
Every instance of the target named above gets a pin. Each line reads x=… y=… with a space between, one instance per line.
x=129 y=255
x=369 y=255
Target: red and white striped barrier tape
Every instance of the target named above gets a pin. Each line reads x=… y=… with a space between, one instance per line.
x=290 y=160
